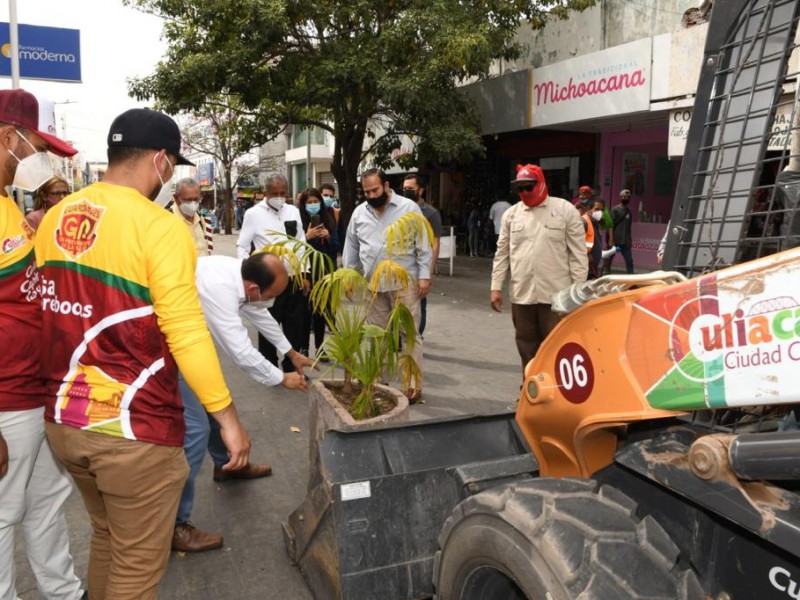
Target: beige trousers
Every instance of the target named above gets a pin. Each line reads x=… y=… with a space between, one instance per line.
x=131 y=491
x=382 y=306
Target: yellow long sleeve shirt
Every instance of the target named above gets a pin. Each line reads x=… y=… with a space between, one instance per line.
x=120 y=315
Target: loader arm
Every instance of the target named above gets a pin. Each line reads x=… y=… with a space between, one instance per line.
x=727 y=339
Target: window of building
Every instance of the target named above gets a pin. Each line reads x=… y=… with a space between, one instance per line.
x=300 y=136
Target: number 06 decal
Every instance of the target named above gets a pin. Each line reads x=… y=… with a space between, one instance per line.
x=574 y=373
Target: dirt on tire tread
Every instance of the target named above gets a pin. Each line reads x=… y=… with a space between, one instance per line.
x=589 y=536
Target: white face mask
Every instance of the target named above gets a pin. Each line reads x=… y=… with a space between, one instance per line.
x=276 y=203
x=263 y=303
x=259 y=303
x=32 y=171
x=189 y=208
x=597 y=215
x=164 y=195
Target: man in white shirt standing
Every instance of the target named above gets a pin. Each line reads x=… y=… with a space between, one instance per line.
x=496 y=212
x=229 y=289
x=268 y=222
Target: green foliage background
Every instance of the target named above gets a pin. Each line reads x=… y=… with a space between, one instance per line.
x=367 y=71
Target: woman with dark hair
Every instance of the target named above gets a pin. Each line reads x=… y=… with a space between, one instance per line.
x=319 y=224
x=48 y=195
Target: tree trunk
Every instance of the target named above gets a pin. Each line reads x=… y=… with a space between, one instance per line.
x=227 y=218
x=344 y=166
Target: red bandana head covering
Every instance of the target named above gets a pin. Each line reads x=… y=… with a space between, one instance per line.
x=531 y=175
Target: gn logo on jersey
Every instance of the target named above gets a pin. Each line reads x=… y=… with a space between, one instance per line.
x=77 y=227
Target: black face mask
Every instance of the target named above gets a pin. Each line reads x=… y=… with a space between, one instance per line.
x=379 y=201
x=410 y=194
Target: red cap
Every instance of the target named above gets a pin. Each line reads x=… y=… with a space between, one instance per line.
x=585 y=188
x=23 y=109
x=528 y=173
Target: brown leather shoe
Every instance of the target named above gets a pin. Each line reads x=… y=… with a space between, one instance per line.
x=251 y=471
x=414 y=395
x=188 y=538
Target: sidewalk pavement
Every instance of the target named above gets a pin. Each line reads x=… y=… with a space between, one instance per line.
x=471 y=366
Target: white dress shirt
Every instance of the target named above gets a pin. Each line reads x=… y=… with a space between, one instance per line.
x=221 y=290
x=261 y=222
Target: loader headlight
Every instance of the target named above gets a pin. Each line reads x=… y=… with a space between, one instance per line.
x=532 y=389
x=539 y=389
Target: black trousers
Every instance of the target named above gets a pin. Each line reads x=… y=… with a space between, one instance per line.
x=291 y=312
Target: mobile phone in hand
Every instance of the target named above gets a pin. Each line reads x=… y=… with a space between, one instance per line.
x=315 y=220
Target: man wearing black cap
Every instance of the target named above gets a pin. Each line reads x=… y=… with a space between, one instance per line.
x=542 y=246
x=120 y=317
x=622 y=217
x=33 y=485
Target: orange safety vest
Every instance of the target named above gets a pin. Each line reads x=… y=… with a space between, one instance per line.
x=589 y=231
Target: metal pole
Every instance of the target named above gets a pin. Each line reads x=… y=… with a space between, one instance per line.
x=67 y=170
x=308 y=157
x=67 y=161
x=14 y=39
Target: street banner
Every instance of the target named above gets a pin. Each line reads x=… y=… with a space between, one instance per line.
x=731 y=338
x=779 y=131
x=49 y=53
x=205 y=173
x=610 y=82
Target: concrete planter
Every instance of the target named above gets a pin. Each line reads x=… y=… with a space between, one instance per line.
x=310 y=531
x=327 y=413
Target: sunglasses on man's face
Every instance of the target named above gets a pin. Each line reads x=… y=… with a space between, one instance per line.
x=528 y=187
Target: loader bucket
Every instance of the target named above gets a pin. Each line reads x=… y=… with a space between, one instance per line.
x=368 y=527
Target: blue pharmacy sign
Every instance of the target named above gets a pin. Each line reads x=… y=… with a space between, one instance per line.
x=49 y=53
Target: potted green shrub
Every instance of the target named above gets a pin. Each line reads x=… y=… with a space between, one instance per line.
x=367 y=354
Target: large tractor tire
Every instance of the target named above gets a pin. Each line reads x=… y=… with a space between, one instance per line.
x=557 y=539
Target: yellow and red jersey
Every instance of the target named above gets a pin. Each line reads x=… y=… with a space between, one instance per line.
x=21 y=387
x=120 y=314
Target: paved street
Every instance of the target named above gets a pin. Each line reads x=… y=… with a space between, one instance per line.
x=471 y=366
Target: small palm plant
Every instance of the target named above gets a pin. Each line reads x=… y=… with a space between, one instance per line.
x=365 y=352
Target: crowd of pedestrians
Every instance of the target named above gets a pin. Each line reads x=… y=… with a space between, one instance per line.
x=129 y=301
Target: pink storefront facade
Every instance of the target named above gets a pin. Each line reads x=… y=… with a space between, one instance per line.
x=628 y=96
x=638 y=161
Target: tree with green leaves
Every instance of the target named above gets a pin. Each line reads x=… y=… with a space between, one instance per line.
x=367 y=71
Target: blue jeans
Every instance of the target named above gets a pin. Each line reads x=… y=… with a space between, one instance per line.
x=202 y=432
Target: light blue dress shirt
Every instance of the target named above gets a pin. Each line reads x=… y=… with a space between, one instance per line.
x=365 y=243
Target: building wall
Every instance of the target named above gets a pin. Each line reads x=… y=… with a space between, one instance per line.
x=272 y=158
x=609 y=23
x=628 y=20
x=560 y=40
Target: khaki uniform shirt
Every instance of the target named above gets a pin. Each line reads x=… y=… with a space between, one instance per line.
x=198 y=230
x=543 y=248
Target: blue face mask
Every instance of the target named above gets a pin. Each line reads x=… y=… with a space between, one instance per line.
x=329 y=201
x=313 y=209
